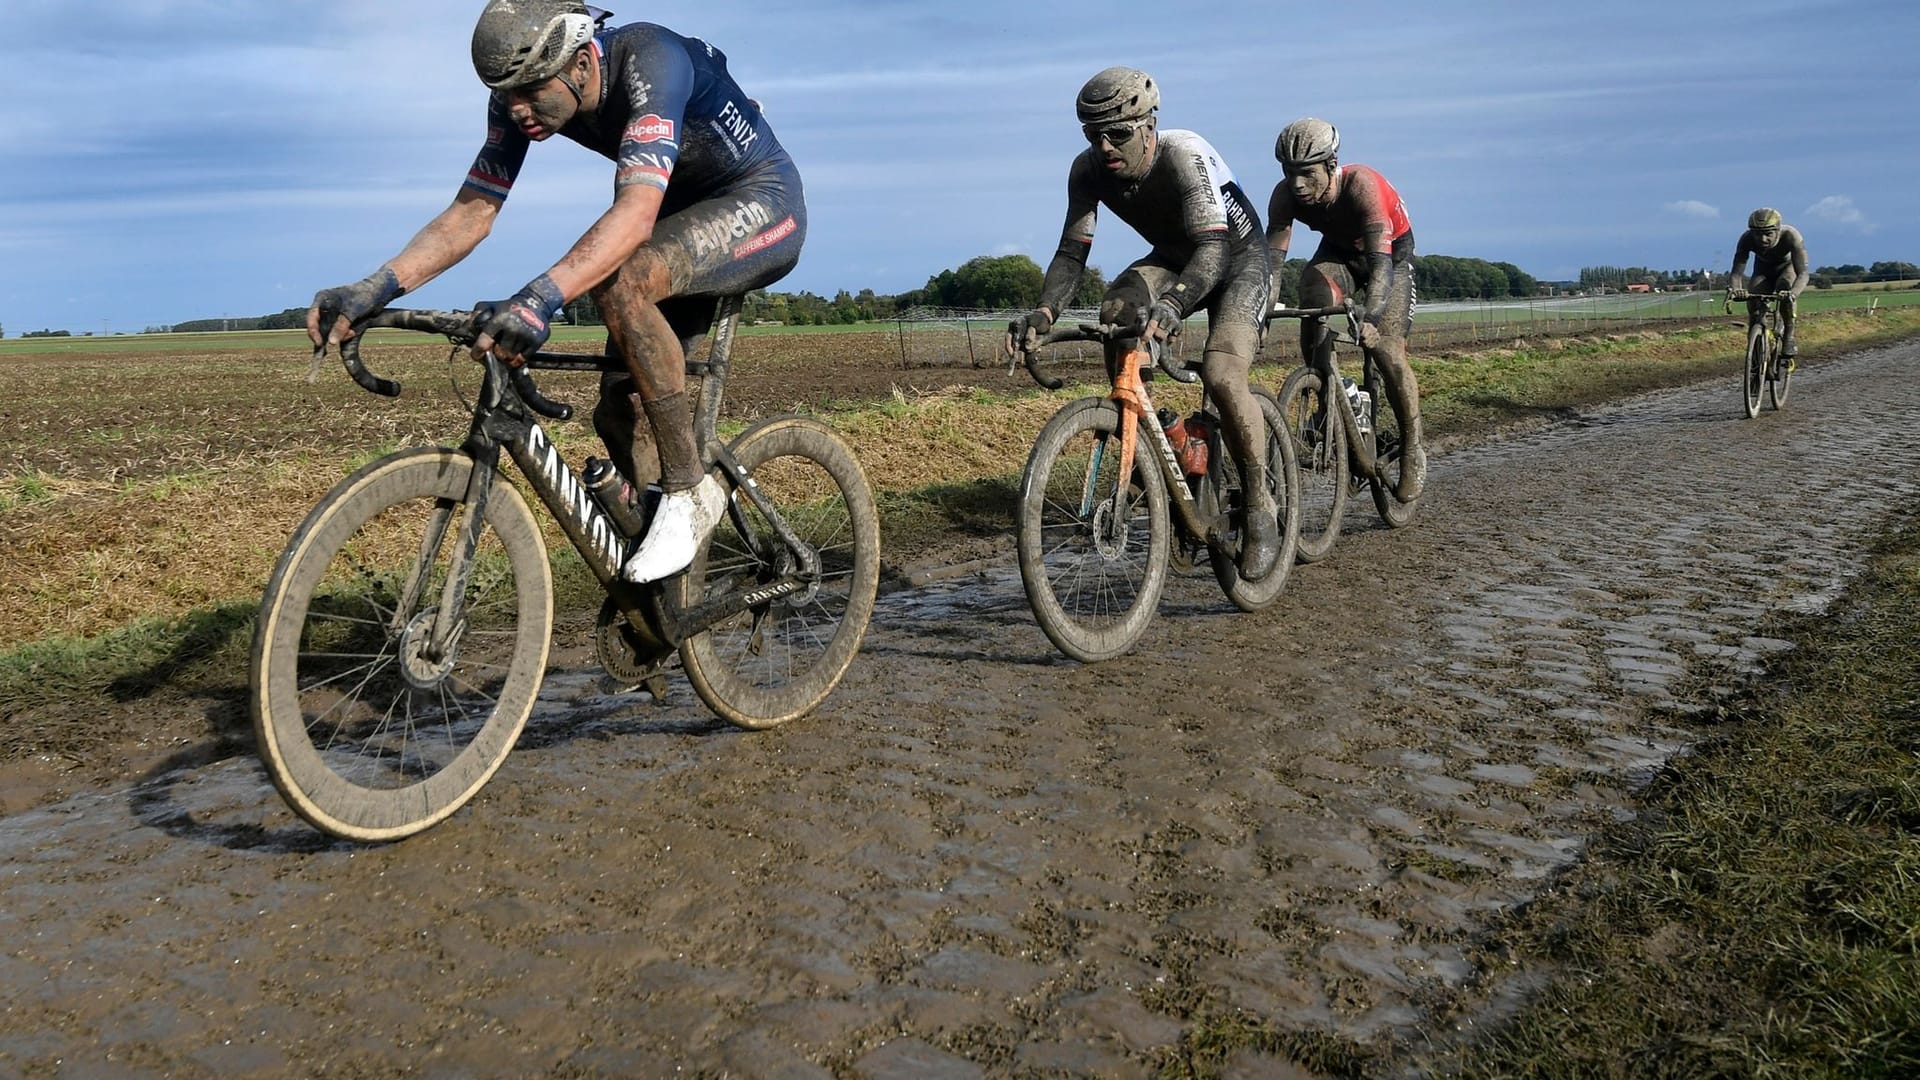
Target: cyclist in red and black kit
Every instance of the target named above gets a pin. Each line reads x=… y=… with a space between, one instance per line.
x=1178 y=194
x=1365 y=252
x=706 y=203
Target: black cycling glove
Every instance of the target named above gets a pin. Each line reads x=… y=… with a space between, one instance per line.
x=1025 y=332
x=519 y=325
x=358 y=300
x=1166 y=317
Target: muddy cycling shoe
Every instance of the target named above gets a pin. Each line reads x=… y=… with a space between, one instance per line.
x=1413 y=472
x=1260 y=545
x=1787 y=348
x=683 y=519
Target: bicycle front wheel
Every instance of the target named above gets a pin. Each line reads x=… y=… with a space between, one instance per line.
x=780 y=658
x=373 y=720
x=1283 y=481
x=1782 y=375
x=1093 y=565
x=1756 y=373
x=1320 y=454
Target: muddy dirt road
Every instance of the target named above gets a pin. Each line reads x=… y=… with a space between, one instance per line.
x=982 y=859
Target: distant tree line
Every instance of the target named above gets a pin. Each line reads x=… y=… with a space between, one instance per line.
x=1012 y=283
x=1826 y=277
x=1619 y=277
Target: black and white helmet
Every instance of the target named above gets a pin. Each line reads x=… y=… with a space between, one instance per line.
x=1307 y=141
x=1116 y=95
x=523 y=42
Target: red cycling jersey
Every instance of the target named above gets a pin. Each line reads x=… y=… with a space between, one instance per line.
x=1367 y=209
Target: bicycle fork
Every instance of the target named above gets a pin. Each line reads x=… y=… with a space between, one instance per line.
x=440 y=635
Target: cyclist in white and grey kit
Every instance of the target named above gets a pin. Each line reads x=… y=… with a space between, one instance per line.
x=1209 y=253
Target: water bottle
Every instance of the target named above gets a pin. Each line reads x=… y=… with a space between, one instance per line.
x=613 y=494
x=1361 y=403
x=1177 y=434
x=1193 y=456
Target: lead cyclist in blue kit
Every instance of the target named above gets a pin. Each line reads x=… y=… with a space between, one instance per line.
x=706 y=204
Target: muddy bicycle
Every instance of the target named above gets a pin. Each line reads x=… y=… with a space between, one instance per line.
x=1100 y=523
x=1765 y=367
x=404 y=633
x=1341 y=441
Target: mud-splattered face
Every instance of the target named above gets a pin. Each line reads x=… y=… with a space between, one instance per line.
x=1311 y=184
x=1768 y=237
x=540 y=109
x=1125 y=147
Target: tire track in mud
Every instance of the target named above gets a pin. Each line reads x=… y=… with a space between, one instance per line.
x=979 y=857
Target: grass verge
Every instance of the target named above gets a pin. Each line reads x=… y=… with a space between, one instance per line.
x=1761 y=916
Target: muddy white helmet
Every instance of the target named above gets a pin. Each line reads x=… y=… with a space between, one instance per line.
x=1307 y=141
x=523 y=42
x=1764 y=218
x=1116 y=95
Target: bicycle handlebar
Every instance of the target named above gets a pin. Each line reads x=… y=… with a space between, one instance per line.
x=1103 y=333
x=457 y=327
x=1344 y=307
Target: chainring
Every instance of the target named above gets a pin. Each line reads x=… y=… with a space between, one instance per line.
x=631 y=658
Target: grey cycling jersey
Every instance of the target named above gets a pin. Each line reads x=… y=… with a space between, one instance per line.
x=1784 y=264
x=1188 y=206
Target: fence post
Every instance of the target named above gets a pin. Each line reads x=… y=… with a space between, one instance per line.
x=972 y=361
x=901 y=325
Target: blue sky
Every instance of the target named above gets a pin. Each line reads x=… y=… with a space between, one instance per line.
x=179 y=159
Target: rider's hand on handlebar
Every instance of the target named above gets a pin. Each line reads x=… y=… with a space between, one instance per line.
x=330 y=320
x=515 y=328
x=1163 y=321
x=1025 y=332
x=1369 y=333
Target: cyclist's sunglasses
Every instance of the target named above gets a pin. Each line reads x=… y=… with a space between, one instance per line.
x=1117 y=135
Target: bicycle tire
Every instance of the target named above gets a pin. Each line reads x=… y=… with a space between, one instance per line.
x=1320 y=456
x=1386 y=479
x=1283 y=480
x=1092 y=595
x=362 y=734
x=1778 y=386
x=1756 y=371
x=779 y=660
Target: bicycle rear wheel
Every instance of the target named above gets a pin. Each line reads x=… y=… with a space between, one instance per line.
x=1320 y=454
x=1756 y=373
x=1388 y=443
x=367 y=728
x=1093 y=566
x=780 y=658
x=1283 y=481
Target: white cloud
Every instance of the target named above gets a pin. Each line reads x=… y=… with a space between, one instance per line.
x=1839 y=210
x=1693 y=208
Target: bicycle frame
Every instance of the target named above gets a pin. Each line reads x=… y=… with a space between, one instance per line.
x=503 y=418
x=1130 y=396
x=1361 y=453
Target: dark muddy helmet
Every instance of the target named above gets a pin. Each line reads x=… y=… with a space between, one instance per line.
x=1764 y=218
x=523 y=42
x=1307 y=141
x=1116 y=95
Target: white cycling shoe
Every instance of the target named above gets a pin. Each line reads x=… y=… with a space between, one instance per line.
x=681 y=521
